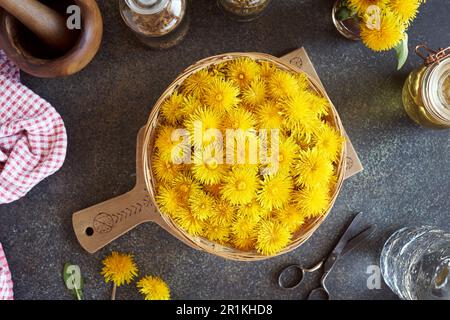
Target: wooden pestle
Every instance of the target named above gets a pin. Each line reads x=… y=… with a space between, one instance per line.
x=49 y=25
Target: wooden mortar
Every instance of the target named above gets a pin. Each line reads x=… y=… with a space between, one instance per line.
x=48 y=59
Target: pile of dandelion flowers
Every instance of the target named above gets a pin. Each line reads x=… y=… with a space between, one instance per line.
x=164 y=170
x=189 y=222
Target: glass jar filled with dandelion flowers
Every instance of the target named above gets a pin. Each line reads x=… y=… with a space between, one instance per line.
x=381 y=25
x=243 y=10
x=251 y=163
x=426 y=93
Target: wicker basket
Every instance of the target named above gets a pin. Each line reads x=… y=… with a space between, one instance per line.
x=204 y=244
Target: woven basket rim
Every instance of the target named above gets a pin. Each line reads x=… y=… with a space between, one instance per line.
x=204 y=244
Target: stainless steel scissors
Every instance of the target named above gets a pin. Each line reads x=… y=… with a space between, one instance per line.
x=351 y=238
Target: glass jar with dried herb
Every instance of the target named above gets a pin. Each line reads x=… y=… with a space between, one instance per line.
x=159 y=24
x=426 y=93
x=243 y=10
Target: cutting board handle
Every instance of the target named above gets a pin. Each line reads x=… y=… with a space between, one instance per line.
x=97 y=226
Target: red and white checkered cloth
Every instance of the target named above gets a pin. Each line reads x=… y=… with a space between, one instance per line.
x=6 y=284
x=33 y=140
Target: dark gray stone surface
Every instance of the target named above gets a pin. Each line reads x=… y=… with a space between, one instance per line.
x=406 y=179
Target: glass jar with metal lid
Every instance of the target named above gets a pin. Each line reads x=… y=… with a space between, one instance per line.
x=426 y=93
x=243 y=10
x=160 y=24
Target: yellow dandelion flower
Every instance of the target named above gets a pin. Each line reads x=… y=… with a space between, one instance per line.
x=243 y=227
x=242 y=149
x=406 y=10
x=282 y=161
x=272 y=237
x=319 y=105
x=224 y=213
x=188 y=221
x=291 y=217
x=313 y=168
x=153 y=288
x=203 y=120
x=255 y=94
x=209 y=169
x=184 y=186
x=213 y=189
x=328 y=142
x=282 y=84
x=275 y=191
x=251 y=211
x=299 y=117
x=221 y=95
x=171 y=147
x=164 y=170
x=269 y=116
x=360 y=6
x=239 y=119
x=217 y=233
x=267 y=70
x=313 y=202
x=202 y=205
x=242 y=71
x=119 y=268
x=169 y=200
x=386 y=36
x=191 y=104
x=219 y=70
x=302 y=81
x=244 y=243
x=239 y=187
x=172 y=108
x=197 y=83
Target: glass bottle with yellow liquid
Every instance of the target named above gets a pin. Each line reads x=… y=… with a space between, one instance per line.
x=426 y=93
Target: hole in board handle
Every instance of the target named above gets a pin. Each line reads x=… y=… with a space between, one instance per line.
x=89 y=231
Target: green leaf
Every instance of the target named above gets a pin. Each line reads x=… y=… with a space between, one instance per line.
x=343 y=13
x=73 y=280
x=402 y=51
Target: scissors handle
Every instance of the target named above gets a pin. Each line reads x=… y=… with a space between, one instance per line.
x=319 y=293
x=282 y=283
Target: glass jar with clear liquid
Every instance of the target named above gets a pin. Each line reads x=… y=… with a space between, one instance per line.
x=415 y=263
x=426 y=93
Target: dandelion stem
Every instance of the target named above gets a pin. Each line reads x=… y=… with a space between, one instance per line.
x=113 y=294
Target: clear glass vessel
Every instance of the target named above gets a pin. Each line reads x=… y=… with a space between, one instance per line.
x=243 y=10
x=159 y=24
x=415 y=263
x=349 y=28
x=426 y=94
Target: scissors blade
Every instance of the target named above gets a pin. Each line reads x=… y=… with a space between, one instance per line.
x=356 y=241
x=351 y=232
